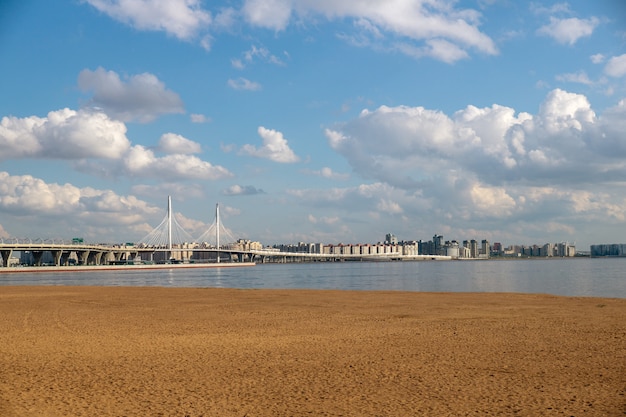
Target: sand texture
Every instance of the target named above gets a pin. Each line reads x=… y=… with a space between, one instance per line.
x=112 y=351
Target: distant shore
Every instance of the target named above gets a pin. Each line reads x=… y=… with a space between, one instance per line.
x=111 y=351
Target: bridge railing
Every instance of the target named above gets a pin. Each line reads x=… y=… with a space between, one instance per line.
x=37 y=241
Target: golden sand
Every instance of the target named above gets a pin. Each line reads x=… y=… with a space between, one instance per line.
x=110 y=351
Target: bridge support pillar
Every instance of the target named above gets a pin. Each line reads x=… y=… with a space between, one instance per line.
x=56 y=255
x=65 y=258
x=6 y=255
x=83 y=257
x=93 y=258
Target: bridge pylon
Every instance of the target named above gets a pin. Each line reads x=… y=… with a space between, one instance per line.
x=167 y=233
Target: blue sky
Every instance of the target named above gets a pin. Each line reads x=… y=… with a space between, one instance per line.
x=314 y=120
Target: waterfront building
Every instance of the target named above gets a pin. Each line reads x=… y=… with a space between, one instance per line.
x=485 y=249
x=391 y=239
x=473 y=247
x=452 y=249
x=613 y=249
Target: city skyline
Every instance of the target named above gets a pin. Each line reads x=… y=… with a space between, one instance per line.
x=315 y=122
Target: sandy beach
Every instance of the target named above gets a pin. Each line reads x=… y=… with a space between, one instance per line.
x=115 y=351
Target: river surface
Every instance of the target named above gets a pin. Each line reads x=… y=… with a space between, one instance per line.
x=594 y=277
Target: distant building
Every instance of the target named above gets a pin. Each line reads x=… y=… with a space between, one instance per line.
x=452 y=249
x=391 y=239
x=613 y=249
x=485 y=249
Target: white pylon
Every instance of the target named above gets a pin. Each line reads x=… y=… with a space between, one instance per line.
x=217 y=230
x=169 y=224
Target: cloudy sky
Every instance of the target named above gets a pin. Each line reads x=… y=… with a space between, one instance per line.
x=315 y=120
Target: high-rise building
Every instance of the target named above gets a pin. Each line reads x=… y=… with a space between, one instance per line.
x=391 y=239
x=485 y=248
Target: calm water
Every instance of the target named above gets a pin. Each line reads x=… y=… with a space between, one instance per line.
x=571 y=277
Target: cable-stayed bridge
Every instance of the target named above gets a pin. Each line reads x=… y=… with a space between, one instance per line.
x=169 y=233
x=169 y=242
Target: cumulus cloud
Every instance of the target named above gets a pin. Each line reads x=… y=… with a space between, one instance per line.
x=81 y=210
x=495 y=143
x=63 y=134
x=242 y=190
x=180 y=18
x=275 y=147
x=616 y=66
x=446 y=31
x=484 y=164
x=140 y=97
x=98 y=144
x=569 y=31
x=272 y=14
x=141 y=162
x=176 y=144
x=243 y=84
x=597 y=58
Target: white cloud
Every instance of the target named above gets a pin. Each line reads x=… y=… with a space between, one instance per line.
x=570 y=30
x=180 y=18
x=63 y=134
x=243 y=84
x=412 y=147
x=275 y=147
x=98 y=145
x=616 y=66
x=323 y=220
x=272 y=14
x=435 y=48
x=389 y=207
x=199 y=118
x=141 y=162
x=237 y=63
x=176 y=144
x=328 y=173
x=256 y=53
x=225 y=18
x=580 y=77
x=597 y=58
x=39 y=207
x=242 y=190
x=433 y=28
x=141 y=97
x=484 y=169
x=492 y=200
x=447 y=31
